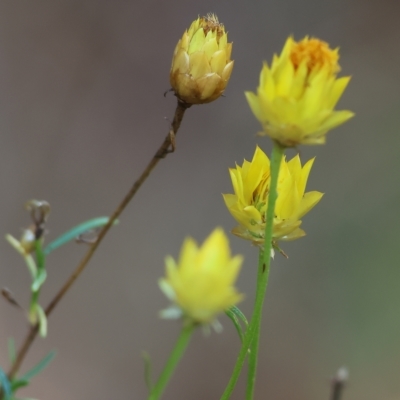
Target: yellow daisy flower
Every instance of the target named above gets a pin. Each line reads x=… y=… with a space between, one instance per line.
x=201 y=283
x=249 y=202
x=297 y=95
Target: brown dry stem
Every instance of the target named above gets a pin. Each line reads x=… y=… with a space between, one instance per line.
x=167 y=147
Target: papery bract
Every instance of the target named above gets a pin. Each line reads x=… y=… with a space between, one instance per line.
x=201 y=283
x=201 y=65
x=248 y=204
x=296 y=98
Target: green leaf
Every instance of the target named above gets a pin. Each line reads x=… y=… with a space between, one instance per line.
x=147 y=371
x=30 y=262
x=18 y=383
x=12 y=354
x=240 y=315
x=76 y=231
x=39 y=280
x=39 y=367
x=236 y=323
x=6 y=385
x=42 y=320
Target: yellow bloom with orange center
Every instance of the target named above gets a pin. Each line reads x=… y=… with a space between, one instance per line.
x=201 y=65
x=201 y=283
x=251 y=183
x=296 y=97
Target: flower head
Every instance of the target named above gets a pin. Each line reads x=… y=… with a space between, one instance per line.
x=201 y=282
x=201 y=65
x=297 y=95
x=249 y=202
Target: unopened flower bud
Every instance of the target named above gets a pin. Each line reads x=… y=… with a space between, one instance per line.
x=28 y=239
x=201 y=65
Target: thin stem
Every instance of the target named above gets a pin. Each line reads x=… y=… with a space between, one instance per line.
x=161 y=153
x=172 y=362
x=253 y=353
x=262 y=281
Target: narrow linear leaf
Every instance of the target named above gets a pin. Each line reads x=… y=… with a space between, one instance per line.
x=5 y=384
x=232 y=316
x=42 y=321
x=25 y=398
x=18 y=383
x=30 y=262
x=240 y=315
x=76 y=231
x=12 y=354
x=39 y=367
x=147 y=371
x=39 y=280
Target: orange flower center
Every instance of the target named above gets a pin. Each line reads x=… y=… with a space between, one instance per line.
x=317 y=53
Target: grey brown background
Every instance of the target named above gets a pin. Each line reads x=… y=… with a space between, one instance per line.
x=81 y=112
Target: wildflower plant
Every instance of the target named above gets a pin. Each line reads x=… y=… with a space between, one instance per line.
x=295 y=104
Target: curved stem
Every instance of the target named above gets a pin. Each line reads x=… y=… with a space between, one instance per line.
x=262 y=281
x=172 y=362
x=161 y=153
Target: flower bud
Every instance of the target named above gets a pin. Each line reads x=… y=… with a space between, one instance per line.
x=201 y=65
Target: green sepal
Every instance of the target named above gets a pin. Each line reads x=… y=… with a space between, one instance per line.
x=75 y=232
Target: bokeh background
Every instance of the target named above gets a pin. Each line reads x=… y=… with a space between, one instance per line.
x=82 y=111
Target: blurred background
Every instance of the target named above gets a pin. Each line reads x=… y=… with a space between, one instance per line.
x=82 y=111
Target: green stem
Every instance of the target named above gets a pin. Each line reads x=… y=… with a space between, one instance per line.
x=262 y=281
x=40 y=262
x=253 y=353
x=172 y=362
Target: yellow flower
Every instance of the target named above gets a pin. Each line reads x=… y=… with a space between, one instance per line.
x=201 y=283
x=297 y=95
x=201 y=65
x=249 y=203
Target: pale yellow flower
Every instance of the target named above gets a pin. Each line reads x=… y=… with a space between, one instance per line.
x=201 y=65
x=248 y=204
x=297 y=95
x=201 y=283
